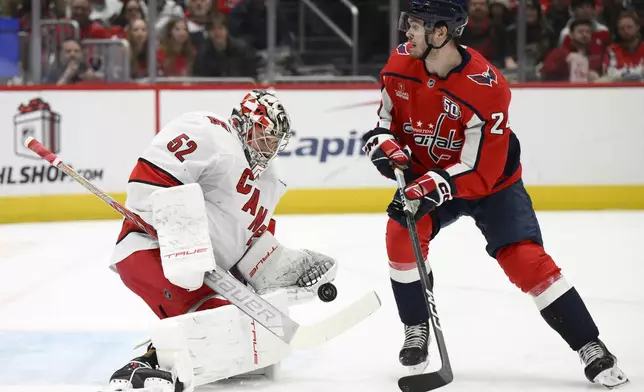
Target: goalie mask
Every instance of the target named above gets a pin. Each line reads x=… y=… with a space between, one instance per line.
x=263 y=126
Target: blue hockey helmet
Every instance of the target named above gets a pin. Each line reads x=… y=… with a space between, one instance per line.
x=451 y=13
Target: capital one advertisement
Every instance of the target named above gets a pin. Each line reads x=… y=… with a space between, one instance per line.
x=569 y=136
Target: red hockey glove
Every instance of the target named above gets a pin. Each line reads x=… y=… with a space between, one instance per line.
x=434 y=187
x=385 y=151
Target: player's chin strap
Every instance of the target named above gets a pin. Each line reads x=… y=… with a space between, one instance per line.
x=430 y=46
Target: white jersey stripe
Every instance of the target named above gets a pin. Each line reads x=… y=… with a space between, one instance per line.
x=386 y=106
x=471 y=148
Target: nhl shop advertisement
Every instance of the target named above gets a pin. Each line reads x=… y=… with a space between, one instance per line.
x=99 y=134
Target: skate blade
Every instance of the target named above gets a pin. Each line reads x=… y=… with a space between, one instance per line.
x=417 y=369
x=612 y=378
x=618 y=385
x=157 y=388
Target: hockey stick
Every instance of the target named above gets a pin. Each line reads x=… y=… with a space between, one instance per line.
x=442 y=377
x=285 y=328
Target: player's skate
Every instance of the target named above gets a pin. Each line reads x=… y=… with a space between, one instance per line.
x=142 y=374
x=414 y=353
x=601 y=365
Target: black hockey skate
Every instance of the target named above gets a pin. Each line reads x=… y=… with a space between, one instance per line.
x=143 y=374
x=413 y=354
x=601 y=365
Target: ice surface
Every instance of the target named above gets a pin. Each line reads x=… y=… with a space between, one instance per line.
x=66 y=320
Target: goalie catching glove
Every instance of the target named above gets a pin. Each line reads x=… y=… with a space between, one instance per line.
x=425 y=193
x=268 y=266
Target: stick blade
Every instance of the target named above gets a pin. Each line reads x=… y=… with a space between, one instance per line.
x=426 y=382
x=308 y=336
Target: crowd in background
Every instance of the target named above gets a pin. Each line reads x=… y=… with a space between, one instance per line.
x=207 y=38
x=576 y=40
x=567 y=40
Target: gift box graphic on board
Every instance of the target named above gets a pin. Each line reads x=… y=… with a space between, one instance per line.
x=36 y=119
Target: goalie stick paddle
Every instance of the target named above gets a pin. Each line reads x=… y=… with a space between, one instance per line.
x=427 y=381
x=276 y=321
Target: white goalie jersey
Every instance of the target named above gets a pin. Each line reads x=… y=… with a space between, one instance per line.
x=203 y=148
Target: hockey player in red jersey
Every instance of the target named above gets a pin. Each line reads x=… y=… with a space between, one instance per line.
x=443 y=119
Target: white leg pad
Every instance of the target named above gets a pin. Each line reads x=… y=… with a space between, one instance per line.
x=216 y=344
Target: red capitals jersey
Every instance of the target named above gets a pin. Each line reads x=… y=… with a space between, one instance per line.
x=619 y=61
x=458 y=124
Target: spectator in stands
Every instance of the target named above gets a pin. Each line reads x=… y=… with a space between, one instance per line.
x=558 y=16
x=539 y=36
x=581 y=62
x=611 y=9
x=72 y=67
x=49 y=9
x=248 y=22
x=585 y=10
x=166 y=11
x=224 y=56
x=7 y=8
x=131 y=11
x=137 y=37
x=199 y=14
x=225 y=6
x=625 y=60
x=485 y=36
x=176 y=54
x=104 y=10
x=638 y=7
x=499 y=12
x=88 y=28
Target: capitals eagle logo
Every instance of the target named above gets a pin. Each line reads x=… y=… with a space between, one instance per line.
x=402 y=49
x=486 y=78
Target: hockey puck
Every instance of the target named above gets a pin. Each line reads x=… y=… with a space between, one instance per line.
x=327 y=292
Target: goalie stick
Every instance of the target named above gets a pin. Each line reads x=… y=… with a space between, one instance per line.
x=281 y=325
x=428 y=381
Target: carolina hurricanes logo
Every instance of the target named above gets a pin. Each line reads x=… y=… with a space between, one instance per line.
x=485 y=79
x=402 y=49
